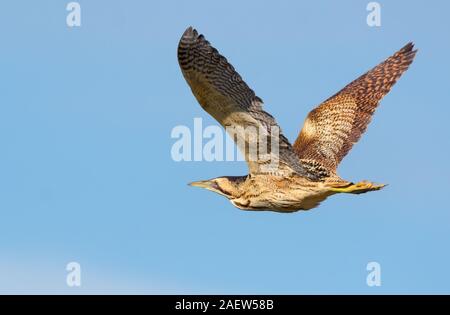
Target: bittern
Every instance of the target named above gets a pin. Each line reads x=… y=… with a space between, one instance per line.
x=306 y=171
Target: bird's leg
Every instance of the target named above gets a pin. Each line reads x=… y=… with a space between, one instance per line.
x=358 y=188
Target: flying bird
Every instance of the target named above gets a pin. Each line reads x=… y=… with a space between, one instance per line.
x=304 y=173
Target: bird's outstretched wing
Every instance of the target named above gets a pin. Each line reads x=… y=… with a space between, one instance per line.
x=221 y=92
x=331 y=129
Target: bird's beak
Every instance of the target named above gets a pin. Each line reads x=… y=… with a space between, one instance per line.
x=210 y=185
x=203 y=184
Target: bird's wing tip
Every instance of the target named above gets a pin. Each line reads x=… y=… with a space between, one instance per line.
x=406 y=53
x=190 y=34
x=409 y=48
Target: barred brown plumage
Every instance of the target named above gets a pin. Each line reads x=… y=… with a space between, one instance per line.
x=331 y=129
x=221 y=91
x=306 y=172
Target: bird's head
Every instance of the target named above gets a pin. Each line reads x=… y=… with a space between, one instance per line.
x=227 y=186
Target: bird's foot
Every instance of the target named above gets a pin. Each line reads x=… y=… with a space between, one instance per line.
x=358 y=188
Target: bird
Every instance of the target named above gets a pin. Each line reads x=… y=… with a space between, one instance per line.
x=305 y=173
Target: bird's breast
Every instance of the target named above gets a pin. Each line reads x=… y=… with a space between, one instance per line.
x=282 y=195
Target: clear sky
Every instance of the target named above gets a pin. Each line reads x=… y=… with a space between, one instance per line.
x=86 y=174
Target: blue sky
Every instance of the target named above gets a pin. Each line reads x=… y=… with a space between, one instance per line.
x=86 y=173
